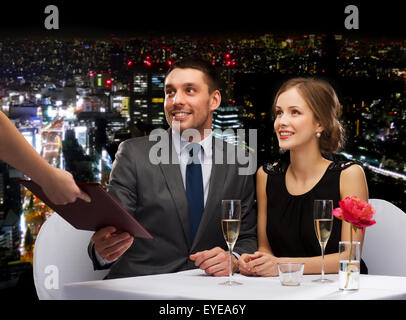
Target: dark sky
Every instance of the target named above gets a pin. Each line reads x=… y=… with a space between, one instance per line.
x=79 y=18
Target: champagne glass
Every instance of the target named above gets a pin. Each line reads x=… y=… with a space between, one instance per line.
x=230 y=223
x=323 y=223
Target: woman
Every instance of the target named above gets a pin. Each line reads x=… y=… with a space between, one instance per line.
x=58 y=185
x=307 y=126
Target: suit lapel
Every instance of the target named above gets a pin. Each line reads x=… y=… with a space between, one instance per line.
x=217 y=182
x=174 y=181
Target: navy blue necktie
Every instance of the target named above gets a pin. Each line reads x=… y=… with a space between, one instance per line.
x=194 y=188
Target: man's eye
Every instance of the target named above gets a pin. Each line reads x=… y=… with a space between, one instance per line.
x=190 y=90
x=170 y=92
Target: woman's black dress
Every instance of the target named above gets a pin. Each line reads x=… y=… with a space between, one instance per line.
x=290 y=226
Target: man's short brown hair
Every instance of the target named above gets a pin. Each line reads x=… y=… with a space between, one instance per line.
x=210 y=72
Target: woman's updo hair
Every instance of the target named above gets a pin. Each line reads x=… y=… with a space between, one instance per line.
x=322 y=100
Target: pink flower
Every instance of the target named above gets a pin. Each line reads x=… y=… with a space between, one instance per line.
x=355 y=211
x=359 y=214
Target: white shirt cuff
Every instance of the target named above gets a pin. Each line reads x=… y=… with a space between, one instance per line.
x=237 y=255
x=100 y=260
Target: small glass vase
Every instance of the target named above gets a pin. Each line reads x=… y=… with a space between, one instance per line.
x=349 y=265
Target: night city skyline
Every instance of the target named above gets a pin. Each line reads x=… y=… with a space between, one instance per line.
x=76 y=93
x=365 y=64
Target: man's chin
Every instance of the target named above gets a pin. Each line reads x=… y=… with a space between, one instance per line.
x=187 y=131
x=177 y=126
x=180 y=126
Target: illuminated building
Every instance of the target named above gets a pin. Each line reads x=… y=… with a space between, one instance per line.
x=156 y=108
x=148 y=98
x=10 y=206
x=140 y=98
x=228 y=120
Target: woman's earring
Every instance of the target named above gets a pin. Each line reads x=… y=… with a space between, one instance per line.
x=318 y=134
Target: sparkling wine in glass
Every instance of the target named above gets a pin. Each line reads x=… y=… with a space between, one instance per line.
x=323 y=223
x=230 y=224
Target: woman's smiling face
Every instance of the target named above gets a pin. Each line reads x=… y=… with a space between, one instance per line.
x=295 y=125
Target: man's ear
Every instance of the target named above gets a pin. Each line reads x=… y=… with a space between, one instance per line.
x=215 y=100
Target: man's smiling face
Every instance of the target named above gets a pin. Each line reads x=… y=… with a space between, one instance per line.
x=188 y=100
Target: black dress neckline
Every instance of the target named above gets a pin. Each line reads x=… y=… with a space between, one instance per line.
x=307 y=192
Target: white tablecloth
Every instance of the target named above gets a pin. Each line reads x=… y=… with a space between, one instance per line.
x=194 y=284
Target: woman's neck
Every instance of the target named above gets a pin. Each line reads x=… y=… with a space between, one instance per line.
x=305 y=163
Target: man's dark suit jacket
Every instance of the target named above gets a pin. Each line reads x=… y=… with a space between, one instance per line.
x=155 y=195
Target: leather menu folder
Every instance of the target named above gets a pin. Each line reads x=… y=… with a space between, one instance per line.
x=102 y=211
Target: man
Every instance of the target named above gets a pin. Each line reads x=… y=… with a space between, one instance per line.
x=183 y=216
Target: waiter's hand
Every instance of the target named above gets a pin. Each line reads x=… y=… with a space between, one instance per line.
x=214 y=262
x=110 y=243
x=60 y=187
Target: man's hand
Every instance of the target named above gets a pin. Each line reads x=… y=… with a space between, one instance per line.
x=110 y=244
x=214 y=262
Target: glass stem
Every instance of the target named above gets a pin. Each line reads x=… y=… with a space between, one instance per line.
x=230 y=273
x=322 y=260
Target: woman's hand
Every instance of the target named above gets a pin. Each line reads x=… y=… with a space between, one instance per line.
x=243 y=265
x=259 y=264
